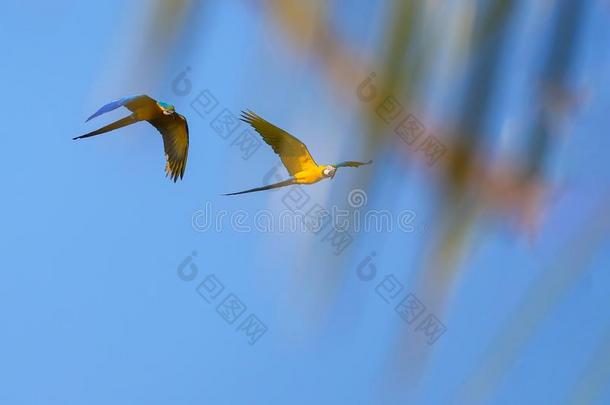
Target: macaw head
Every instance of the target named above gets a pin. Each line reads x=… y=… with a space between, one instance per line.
x=168 y=109
x=329 y=171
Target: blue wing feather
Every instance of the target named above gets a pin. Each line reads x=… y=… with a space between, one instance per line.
x=113 y=105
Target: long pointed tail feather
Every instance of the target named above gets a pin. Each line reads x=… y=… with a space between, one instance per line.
x=115 y=125
x=269 y=187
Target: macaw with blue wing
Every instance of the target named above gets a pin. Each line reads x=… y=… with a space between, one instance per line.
x=172 y=126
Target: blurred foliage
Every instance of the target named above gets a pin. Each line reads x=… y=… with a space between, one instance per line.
x=472 y=185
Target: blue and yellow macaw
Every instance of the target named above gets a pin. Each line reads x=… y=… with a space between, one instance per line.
x=172 y=126
x=294 y=155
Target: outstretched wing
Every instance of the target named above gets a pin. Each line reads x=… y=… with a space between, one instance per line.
x=292 y=152
x=132 y=103
x=175 y=132
x=351 y=163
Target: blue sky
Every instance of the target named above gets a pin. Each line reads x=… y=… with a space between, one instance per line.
x=93 y=310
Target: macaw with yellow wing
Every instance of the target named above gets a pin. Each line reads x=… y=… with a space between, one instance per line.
x=294 y=155
x=172 y=126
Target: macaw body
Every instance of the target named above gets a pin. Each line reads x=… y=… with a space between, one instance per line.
x=172 y=126
x=294 y=155
x=310 y=176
